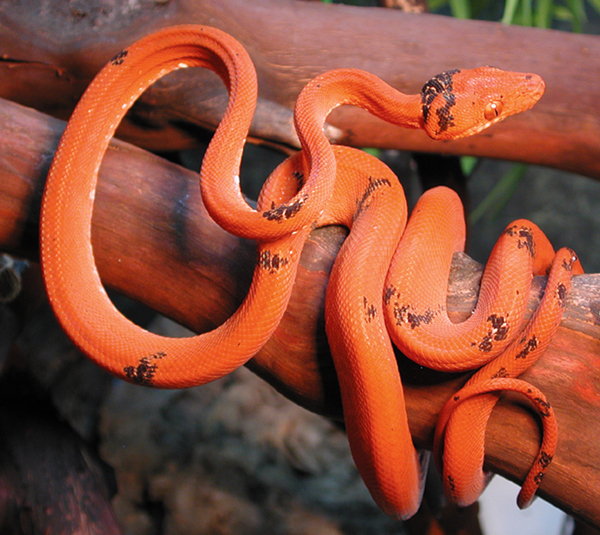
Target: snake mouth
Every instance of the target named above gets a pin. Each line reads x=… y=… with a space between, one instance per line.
x=479 y=128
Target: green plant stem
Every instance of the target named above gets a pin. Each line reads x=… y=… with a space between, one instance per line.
x=499 y=195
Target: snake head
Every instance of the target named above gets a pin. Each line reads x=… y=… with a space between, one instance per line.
x=461 y=103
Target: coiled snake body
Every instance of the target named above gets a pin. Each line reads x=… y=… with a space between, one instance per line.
x=387 y=281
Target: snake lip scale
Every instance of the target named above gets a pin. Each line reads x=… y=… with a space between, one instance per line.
x=389 y=281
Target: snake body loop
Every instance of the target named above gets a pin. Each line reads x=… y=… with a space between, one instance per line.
x=385 y=280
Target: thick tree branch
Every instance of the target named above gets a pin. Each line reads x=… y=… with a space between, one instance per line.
x=51 y=51
x=150 y=226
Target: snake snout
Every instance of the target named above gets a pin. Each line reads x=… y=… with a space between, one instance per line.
x=534 y=87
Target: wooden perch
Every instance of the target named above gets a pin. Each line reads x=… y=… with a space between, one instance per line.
x=50 y=481
x=150 y=225
x=48 y=55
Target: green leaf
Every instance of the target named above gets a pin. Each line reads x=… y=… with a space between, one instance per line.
x=563 y=13
x=461 y=9
x=595 y=5
x=578 y=10
x=543 y=13
x=526 y=13
x=510 y=9
x=435 y=5
x=467 y=164
x=372 y=152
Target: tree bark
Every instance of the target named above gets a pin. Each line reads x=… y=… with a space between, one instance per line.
x=50 y=481
x=149 y=225
x=302 y=39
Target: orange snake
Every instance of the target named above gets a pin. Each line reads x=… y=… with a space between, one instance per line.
x=384 y=275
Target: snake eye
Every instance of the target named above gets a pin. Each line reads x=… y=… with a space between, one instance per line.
x=493 y=110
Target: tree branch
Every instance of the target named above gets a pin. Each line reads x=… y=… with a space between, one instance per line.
x=150 y=225
x=301 y=40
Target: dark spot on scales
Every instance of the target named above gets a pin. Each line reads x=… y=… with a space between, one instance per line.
x=525 y=238
x=271 y=262
x=374 y=184
x=545 y=459
x=143 y=374
x=404 y=314
x=502 y=372
x=440 y=84
x=544 y=407
x=498 y=332
x=452 y=484
x=119 y=58
x=299 y=177
x=568 y=264
x=531 y=344
x=370 y=310
x=561 y=294
x=499 y=326
x=390 y=291
x=285 y=211
x=486 y=344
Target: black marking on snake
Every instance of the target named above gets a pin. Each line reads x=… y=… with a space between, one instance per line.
x=404 y=314
x=545 y=459
x=537 y=479
x=390 y=291
x=486 y=344
x=568 y=264
x=561 y=295
x=440 y=84
x=271 y=262
x=119 y=58
x=531 y=344
x=452 y=485
x=499 y=326
x=299 y=177
x=374 y=184
x=370 y=310
x=544 y=407
x=525 y=237
x=143 y=374
x=498 y=332
x=502 y=372
x=284 y=212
